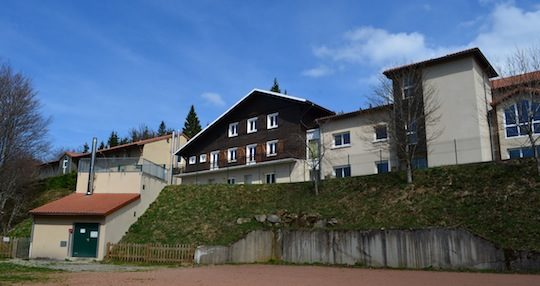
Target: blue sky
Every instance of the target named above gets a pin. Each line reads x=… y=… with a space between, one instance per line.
x=111 y=65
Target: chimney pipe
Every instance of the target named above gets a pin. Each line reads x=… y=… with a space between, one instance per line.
x=91 y=172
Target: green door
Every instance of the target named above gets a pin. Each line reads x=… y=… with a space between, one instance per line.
x=85 y=239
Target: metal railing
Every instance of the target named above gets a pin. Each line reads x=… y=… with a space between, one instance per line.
x=126 y=164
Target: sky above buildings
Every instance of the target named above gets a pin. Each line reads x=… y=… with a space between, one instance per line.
x=100 y=66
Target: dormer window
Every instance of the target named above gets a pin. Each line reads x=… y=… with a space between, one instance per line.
x=202 y=158
x=252 y=125
x=233 y=129
x=192 y=160
x=272 y=120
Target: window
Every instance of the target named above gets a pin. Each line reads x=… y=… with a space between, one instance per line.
x=342 y=171
x=251 y=151
x=271 y=178
x=252 y=125
x=381 y=134
x=232 y=155
x=271 y=121
x=342 y=139
x=419 y=163
x=518 y=116
x=408 y=86
x=231 y=181
x=65 y=163
x=412 y=137
x=233 y=129
x=192 y=160
x=214 y=160
x=202 y=158
x=313 y=149
x=524 y=152
x=271 y=148
x=382 y=167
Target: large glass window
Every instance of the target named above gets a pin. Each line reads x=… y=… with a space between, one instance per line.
x=524 y=152
x=342 y=139
x=408 y=86
x=518 y=116
x=412 y=134
x=419 y=163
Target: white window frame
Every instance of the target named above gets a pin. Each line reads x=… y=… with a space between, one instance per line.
x=343 y=145
x=517 y=124
x=231 y=181
x=342 y=167
x=271 y=175
x=65 y=163
x=192 y=160
x=249 y=159
x=249 y=121
x=269 y=121
x=233 y=127
x=268 y=148
x=202 y=158
x=214 y=164
x=230 y=158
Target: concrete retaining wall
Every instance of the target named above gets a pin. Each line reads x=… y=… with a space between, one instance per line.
x=437 y=248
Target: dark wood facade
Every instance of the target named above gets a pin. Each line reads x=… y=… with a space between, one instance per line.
x=294 y=118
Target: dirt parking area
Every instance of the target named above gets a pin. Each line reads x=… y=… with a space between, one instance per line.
x=240 y=275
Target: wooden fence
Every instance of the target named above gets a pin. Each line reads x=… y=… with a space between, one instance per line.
x=151 y=252
x=14 y=247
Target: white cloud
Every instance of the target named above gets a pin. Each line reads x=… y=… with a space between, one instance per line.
x=504 y=29
x=377 y=46
x=507 y=28
x=213 y=98
x=319 y=71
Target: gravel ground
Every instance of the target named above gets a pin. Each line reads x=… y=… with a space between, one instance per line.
x=262 y=275
x=81 y=265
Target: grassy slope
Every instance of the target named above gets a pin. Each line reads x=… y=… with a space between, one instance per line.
x=49 y=189
x=499 y=201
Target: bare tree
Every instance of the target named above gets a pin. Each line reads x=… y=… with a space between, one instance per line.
x=23 y=137
x=412 y=109
x=520 y=90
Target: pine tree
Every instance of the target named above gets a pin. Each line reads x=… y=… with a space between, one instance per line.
x=113 y=139
x=275 y=86
x=162 y=129
x=124 y=140
x=86 y=148
x=101 y=146
x=192 y=125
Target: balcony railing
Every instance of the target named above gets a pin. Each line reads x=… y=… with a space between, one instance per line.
x=127 y=164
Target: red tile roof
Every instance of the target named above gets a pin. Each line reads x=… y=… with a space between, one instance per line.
x=513 y=80
x=475 y=52
x=82 y=204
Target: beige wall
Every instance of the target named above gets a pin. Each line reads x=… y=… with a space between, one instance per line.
x=286 y=172
x=363 y=152
x=48 y=232
x=121 y=182
x=459 y=91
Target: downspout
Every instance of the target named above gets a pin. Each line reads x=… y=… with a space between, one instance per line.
x=487 y=117
x=172 y=149
x=91 y=172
